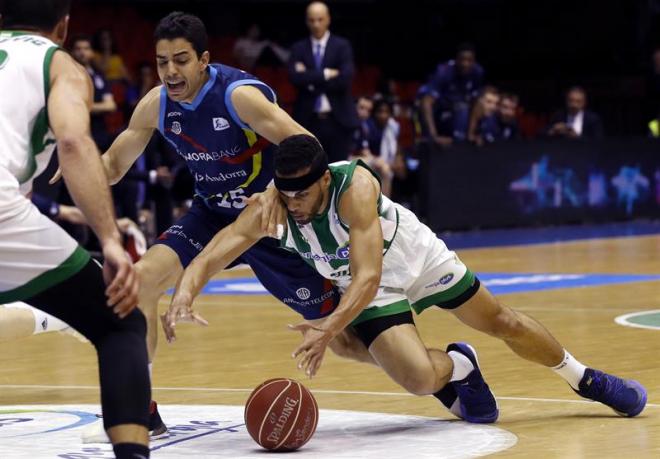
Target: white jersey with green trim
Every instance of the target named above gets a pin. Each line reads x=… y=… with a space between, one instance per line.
x=324 y=243
x=26 y=141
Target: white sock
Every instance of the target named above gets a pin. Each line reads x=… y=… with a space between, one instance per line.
x=151 y=368
x=43 y=322
x=571 y=370
x=462 y=366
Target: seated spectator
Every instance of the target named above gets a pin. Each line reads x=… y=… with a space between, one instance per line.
x=447 y=98
x=383 y=144
x=364 y=107
x=107 y=58
x=388 y=89
x=506 y=117
x=575 y=121
x=249 y=48
x=484 y=126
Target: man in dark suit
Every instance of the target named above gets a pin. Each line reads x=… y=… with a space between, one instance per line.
x=575 y=121
x=321 y=68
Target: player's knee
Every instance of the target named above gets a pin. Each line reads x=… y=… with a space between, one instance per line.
x=135 y=323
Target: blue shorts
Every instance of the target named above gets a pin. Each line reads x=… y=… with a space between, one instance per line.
x=284 y=274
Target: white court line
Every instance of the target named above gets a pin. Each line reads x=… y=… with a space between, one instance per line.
x=316 y=391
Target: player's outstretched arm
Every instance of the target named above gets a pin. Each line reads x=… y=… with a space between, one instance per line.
x=130 y=144
x=224 y=248
x=69 y=102
x=266 y=118
x=358 y=208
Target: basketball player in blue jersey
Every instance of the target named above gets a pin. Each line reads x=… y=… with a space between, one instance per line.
x=223 y=122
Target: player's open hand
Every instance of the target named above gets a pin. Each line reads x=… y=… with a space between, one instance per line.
x=273 y=212
x=180 y=311
x=121 y=278
x=312 y=349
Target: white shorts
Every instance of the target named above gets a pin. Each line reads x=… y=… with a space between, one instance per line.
x=35 y=254
x=418 y=272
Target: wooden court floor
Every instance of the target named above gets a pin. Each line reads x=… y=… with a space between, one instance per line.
x=247 y=342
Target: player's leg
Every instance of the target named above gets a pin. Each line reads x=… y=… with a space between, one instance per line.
x=452 y=376
x=42 y=265
x=532 y=341
x=121 y=349
x=348 y=345
x=20 y=320
x=159 y=270
x=400 y=352
x=17 y=322
x=523 y=334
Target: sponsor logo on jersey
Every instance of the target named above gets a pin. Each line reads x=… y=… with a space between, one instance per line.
x=176 y=127
x=220 y=124
x=308 y=302
x=209 y=155
x=303 y=293
x=221 y=177
x=444 y=280
x=342 y=253
x=171 y=114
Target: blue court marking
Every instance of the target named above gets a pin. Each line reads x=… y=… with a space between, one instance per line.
x=544 y=235
x=497 y=283
x=503 y=283
x=231 y=429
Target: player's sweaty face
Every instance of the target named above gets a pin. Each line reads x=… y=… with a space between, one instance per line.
x=179 y=68
x=304 y=205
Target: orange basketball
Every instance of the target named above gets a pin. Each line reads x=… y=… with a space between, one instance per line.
x=281 y=414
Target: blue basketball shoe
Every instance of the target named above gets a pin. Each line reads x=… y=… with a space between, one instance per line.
x=477 y=403
x=626 y=397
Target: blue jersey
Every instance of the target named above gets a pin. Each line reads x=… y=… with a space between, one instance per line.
x=225 y=156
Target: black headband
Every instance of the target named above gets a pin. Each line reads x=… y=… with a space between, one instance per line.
x=303 y=182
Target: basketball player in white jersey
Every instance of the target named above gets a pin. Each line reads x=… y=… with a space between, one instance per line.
x=45 y=99
x=386 y=263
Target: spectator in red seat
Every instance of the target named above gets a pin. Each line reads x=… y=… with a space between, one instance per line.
x=364 y=107
x=576 y=121
x=506 y=117
x=483 y=121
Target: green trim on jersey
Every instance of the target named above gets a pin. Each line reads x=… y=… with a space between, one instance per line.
x=38 y=140
x=382 y=311
x=69 y=267
x=15 y=33
x=348 y=170
x=4 y=57
x=451 y=293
